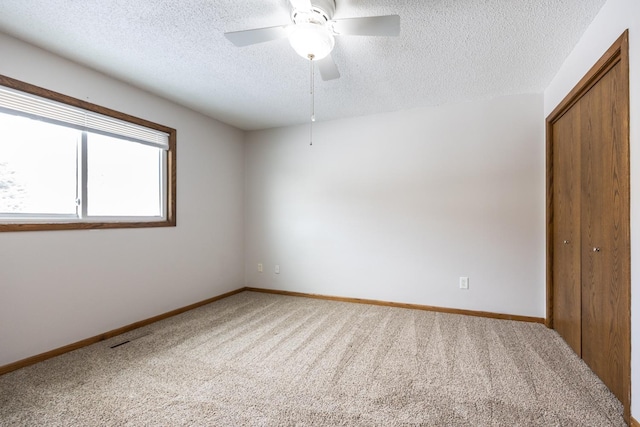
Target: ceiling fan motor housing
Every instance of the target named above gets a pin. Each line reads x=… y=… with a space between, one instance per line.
x=321 y=12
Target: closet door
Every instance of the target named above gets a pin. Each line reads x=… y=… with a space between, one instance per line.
x=605 y=231
x=589 y=276
x=566 y=232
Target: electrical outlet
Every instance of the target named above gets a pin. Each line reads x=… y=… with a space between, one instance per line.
x=277 y=269
x=464 y=283
x=259 y=268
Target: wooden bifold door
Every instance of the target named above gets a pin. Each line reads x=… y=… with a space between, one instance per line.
x=588 y=237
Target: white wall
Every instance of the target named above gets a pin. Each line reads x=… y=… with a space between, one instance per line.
x=397 y=206
x=58 y=287
x=613 y=19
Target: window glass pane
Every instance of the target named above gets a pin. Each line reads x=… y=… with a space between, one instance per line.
x=124 y=178
x=38 y=167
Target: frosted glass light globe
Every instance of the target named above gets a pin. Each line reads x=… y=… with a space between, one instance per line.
x=311 y=39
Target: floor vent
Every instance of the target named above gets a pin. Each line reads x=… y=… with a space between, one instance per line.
x=129 y=340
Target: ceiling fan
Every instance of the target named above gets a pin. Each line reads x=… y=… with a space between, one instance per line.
x=312 y=31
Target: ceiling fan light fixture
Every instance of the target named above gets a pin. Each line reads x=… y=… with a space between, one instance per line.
x=311 y=40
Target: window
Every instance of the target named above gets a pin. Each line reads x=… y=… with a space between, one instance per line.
x=70 y=164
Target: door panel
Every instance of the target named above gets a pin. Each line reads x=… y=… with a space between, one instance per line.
x=566 y=232
x=605 y=231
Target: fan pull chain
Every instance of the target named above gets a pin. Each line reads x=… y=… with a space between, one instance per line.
x=313 y=108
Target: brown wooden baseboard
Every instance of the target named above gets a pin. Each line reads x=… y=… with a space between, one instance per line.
x=88 y=341
x=404 y=305
x=634 y=423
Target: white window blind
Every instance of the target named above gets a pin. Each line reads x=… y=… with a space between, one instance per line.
x=35 y=107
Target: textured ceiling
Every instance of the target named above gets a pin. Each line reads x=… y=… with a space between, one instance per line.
x=447 y=51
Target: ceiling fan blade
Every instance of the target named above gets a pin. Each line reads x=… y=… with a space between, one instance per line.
x=258 y=35
x=387 y=25
x=328 y=68
x=301 y=4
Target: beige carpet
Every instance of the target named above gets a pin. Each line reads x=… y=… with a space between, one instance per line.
x=267 y=360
